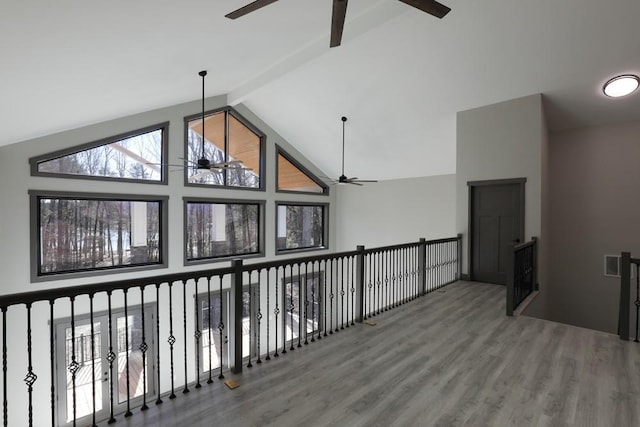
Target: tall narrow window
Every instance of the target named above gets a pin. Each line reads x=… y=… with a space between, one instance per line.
x=300 y=226
x=233 y=147
x=292 y=176
x=134 y=156
x=221 y=229
x=79 y=233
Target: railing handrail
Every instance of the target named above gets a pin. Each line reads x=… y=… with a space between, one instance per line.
x=139 y=282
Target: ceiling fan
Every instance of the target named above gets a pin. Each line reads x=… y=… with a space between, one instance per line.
x=204 y=165
x=339 y=13
x=342 y=179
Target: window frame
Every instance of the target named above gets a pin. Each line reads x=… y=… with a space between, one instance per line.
x=281 y=152
x=261 y=229
x=325 y=227
x=227 y=110
x=164 y=127
x=35 y=249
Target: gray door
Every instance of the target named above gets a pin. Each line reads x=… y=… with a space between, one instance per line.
x=497 y=222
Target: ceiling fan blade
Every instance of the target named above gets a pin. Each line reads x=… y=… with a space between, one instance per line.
x=258 y=4
x=432 y=7
x=354 y=183
x=337 y=21
x=364 y=180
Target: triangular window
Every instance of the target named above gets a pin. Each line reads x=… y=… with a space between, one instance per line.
x=134 y=156
x=292 y=176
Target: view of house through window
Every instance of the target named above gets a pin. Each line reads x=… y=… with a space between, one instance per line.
x=135 y=157
x=310 y=287
x=292 y=177
x=76 y=234
x=300 y=226
x=75 y=350
x=228 y=142
x=221 y=229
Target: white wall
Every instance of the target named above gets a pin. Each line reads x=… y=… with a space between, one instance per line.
x=395 y=211
x=500 y=141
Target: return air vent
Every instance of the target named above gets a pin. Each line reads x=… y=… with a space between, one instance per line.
x=612 y=265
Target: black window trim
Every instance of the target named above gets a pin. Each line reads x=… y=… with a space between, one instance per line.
x=228 y=110
x=164 y=126
x=325 y=227
x=34 y=244
x=303 y=169
x=261 y=231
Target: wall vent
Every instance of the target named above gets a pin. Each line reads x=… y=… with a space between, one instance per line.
x=612 y=265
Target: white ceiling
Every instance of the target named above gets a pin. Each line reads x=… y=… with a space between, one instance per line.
x=400 y=75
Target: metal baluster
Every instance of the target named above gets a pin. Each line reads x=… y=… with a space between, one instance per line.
x=111 y=357
x=276 y=312
x=197 y=335
x=31 y=377
x=185 y=390
x=52 y=352
x=171 y=340
x=353 y=291
x=93 y=362
x=126 y=344
x=288 y=307
x=341 y=267
x=300 y=306
x=324 y=300
x=306 y=303
x=268 y=315
x=637 y=302
x=209 y=326
x=348 y=289
x=370 y=286
x=249 y=365
x=385 y=260
x=158 y=400
x=143 y=349
x=73 y=366
x=256 y=295
x=5 y=400
x=331 y=296
x=313 y=302
x=221 y=329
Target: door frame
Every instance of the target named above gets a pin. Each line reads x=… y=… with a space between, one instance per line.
x=472 y=185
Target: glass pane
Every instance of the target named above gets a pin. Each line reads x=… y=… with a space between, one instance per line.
x=292 y=300
x=244 y=146
x=291 y=178
x=128 y=341
x=300 y=227
x=211 y=342
x=221 y=229
x=79 y=234
x=136 y=157
x=213 y=148
x=80 y=346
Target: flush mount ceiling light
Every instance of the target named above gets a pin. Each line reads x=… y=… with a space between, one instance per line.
x=621 y=85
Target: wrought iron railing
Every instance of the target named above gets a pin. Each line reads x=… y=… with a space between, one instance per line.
x=154 y=337
x=629 y=266
x=522 y=274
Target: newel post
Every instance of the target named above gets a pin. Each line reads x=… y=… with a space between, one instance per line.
x=422 y=265
x=511 y=256
x=236 y=315
x=360 y=284
x=625 y=295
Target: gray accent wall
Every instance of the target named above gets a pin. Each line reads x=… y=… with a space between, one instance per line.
x=500 y=141
x=594 y=209
x=395 y=211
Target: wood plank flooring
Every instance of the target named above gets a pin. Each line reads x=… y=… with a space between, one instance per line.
x=451 y=358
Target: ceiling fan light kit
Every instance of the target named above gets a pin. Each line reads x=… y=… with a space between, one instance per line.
x=339 y=13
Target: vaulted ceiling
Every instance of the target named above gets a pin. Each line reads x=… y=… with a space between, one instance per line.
x=400 y=74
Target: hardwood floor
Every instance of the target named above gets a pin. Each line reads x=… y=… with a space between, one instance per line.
x=451 y=358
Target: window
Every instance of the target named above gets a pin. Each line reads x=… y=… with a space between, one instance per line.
x=301 y=226
x=222 y=229
x=294 y=177
x=126 y=340
x=214 y=312
x=79 y=233
x=134 y=156
x=310 y=294
x=228 y=138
